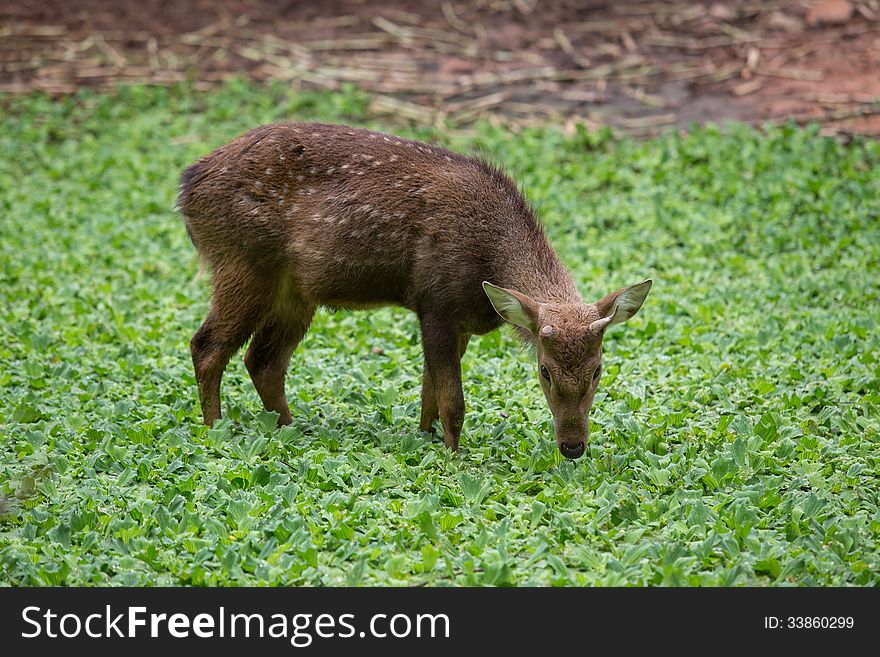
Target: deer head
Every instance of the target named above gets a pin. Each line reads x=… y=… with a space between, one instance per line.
x=568 y=343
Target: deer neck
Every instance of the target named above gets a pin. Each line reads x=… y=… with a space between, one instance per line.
x=542 y=277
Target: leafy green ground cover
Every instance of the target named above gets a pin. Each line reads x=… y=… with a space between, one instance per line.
x=735 y=435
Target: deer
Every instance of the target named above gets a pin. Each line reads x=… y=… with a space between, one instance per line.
x=291 y=217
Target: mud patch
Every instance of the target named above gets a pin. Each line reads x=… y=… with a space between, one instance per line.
x=636 y=66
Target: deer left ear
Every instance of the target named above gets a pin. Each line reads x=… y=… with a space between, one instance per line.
x=619 y=306
x=515 y=307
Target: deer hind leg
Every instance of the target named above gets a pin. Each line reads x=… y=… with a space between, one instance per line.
x=430 y=409
x=443 y=349
x=240 y=301
x=269 y=354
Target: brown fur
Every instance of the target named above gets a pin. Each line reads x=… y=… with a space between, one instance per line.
x=293 y=216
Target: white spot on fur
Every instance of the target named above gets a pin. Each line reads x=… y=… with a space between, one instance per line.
x=447 y=158
x=393 y=158
x=300 y=178
x=311 y=191
x=269 y=171
x=344 y=166
x=331 y=169
x=281 y=157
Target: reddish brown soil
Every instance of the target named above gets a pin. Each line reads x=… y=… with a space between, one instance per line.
x=637 y=66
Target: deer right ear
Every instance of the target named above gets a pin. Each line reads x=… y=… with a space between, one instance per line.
x=514 y=307
x=619 y=306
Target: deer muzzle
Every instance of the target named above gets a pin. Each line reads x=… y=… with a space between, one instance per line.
x=571 y=435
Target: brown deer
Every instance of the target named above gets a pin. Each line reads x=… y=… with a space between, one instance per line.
x=292 y=216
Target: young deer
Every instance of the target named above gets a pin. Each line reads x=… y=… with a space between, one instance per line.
x=292 y=216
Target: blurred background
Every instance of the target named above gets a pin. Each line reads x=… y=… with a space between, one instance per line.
x=635 y=66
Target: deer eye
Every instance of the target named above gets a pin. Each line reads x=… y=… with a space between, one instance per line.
x=545 y=372
x=597 y=374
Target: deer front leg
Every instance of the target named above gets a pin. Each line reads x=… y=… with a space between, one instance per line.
x=443 y=376
x=430 y=410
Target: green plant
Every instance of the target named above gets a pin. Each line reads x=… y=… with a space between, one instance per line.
x=734 y=438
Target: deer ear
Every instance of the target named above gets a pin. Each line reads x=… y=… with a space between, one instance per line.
x=514 y=307
x=619 y=306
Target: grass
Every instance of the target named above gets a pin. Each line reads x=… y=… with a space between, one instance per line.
x=735 y=434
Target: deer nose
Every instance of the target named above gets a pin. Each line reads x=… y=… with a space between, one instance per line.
x=574 y=451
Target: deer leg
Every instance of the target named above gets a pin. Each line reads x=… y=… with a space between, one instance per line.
x=430 y=410
x=442 y=364
x=236 y=310
x=269 y=354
